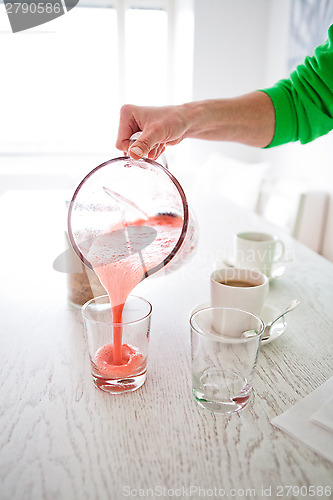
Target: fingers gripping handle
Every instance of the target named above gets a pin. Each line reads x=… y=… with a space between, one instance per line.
x=162 y=160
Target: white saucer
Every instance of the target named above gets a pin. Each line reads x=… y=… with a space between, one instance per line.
x=277 y=272
x=268 y=314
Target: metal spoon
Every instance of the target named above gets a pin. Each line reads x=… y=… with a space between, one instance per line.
x=269 y=325
x=266 y=333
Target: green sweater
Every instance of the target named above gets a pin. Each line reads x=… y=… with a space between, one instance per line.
x=304 y=102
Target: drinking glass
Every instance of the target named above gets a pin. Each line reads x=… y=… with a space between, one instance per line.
x=118 y=351
x=225 y=344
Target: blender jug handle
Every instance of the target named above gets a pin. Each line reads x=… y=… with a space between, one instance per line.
x=162 y=159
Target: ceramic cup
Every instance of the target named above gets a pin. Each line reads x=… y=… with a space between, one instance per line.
x=259 y=251
x=244 y=289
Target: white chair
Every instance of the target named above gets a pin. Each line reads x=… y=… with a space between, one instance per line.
x=314 y=222
x=327 y=247
x=311 y=219
x=306 y=215
x=235 y=180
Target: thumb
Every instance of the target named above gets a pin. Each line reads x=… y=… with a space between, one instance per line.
x=142 y=146
x=137 y=150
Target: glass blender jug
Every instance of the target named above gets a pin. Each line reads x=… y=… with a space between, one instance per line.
x=116 y=203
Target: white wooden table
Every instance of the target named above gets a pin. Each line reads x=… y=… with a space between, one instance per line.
x=61 y=438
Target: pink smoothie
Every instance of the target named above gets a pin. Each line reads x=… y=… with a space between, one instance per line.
x=133 y=361
x=120 y=267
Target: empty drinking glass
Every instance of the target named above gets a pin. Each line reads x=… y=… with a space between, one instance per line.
x=224 y=357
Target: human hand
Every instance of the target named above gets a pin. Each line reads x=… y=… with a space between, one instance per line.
x=160 y=127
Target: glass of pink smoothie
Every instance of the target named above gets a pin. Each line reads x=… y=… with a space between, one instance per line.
x=118 y=344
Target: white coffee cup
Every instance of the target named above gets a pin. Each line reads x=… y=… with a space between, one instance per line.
x=259 y=251
x=244 y=289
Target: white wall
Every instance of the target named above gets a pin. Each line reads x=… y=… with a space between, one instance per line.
x=277 y=41
x=230 y=53
x=230 y=46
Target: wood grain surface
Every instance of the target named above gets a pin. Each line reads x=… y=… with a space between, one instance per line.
x=61 y=438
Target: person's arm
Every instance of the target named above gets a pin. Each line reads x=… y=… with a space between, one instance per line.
x=249 y=119
x=298 y=108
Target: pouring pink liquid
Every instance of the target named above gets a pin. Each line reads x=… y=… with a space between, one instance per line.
x=120 y=266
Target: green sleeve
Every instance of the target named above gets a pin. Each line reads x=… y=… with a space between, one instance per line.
x=304 y=102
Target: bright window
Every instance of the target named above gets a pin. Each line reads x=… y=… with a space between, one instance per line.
x=63 y=83
x=146 y=56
